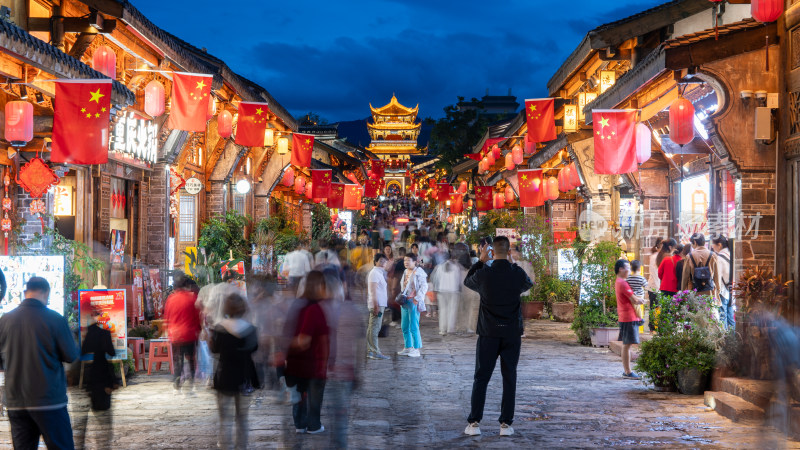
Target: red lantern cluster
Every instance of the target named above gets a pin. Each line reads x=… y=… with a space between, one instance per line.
x=462 y=187
x=154 y=99
x=681 y=121
x=299 y=185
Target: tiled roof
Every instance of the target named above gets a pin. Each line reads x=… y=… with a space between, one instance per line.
x=654 y=10
x=709 y=33
x=39 y=53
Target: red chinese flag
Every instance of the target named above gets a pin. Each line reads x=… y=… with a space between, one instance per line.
x=321 y=183
x=302 y=148
x=541 y=119
x=443 y=192
x=483 y=198
x=189 y=105
x=252 y=124
x=614 y=141
x=336 y=197
x=474 y=156
x=490 y=142
x=456 y=203
x=531 y=188
x=372 y=188
x=81 y=122
x=378 y=168
x=352 y=196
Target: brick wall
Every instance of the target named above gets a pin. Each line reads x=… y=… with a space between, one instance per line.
x=30 y=222
x=261 y=207
x=757 y=198
x=655 y=224
x=565 y=215
x=155 y=209
x=215 y=198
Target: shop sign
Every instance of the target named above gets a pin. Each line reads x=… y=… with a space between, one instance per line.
x=135 y=137
x=193 y=186
x=113 y=316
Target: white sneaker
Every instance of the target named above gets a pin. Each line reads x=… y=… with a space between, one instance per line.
x=473 y=429
x=176 y=391
x=405 y=351
x=321 y=429
x=506 y=430
x=414 y=353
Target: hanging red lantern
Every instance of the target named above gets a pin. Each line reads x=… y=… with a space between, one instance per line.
x=154 y=99
x=225 y=124
x=463 y=186
x=574 y=177
x=563 y=180
x=530 y=146
x=469 y=203
x=288 y=177
x=299 y=185
x=643 y=143
x=497 y=152
x=551 y=189
x=510 y=162
x=309 y=190
x=510 y=196
x=449 y=219
x=499 y=201
x=352 y=177
x=766 y=11
x=19 y=123
x=516 y=154
x=104 y=61
x=681 y=121
x=490 y=159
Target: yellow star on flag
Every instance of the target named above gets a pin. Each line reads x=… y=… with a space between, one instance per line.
x=96 y=96
x=259 y=111
x=97 y=115
x=103 y=109
x=308 y=141
x=83 y=110
x=604 y=122
x=525 y=177
x=88 y=115
x=201 y=85
x=533 y=107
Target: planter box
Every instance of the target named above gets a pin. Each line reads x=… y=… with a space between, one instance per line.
x=532 y=310
x=602 y=337
x=564 y=312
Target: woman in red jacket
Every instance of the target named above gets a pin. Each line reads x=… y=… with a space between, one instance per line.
x=666 y=268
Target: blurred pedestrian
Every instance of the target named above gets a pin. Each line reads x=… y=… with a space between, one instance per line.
x=235 y=340
x=414 y=285
x=183 y=327
x=295 y=266
x=376 y=303
x=326 y=255
x=724 y=276
x=447 y=279
x=34 y=344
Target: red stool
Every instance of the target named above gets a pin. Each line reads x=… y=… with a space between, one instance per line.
x=160 y=351
x=137 y=348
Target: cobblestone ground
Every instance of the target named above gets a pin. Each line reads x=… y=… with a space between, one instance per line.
x=568 y=397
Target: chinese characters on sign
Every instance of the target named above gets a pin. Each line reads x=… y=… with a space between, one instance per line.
x=111 y=306
x=136 y=138
x=193 y=186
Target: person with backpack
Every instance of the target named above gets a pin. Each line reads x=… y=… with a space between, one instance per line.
x=725 y=277
x=700 y=269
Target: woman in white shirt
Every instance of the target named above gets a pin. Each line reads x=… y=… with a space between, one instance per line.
x=414 y=285
x=447 y=279
x=653 y=283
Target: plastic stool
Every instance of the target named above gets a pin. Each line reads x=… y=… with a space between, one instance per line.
x=160 y=351
x=137 y=348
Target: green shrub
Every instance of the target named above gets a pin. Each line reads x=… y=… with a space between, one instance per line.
x=590 y=315
x=223 y=234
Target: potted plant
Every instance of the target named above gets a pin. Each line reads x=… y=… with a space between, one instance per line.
x=594 y=326
x=565 y=298
x=657 y=362
x=595 y=263
x=531 y=309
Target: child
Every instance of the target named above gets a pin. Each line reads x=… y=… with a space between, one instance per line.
x=637 y=284
x=628 y=319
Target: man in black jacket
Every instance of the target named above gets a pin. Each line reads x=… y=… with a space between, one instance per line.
x=499 y=330
x=35 y=342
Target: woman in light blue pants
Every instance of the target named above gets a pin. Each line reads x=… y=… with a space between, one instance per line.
x=414 y=285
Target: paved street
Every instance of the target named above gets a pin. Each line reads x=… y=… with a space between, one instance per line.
x=568 y=397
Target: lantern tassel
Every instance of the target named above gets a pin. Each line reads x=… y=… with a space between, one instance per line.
x=5 y=245
x=766 y=50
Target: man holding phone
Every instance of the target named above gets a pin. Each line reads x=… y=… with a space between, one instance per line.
x=377 y=302
x=500 y=329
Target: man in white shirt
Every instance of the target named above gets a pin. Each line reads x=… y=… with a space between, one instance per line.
x=377 y=303
x=296 y=266
x=325 y=255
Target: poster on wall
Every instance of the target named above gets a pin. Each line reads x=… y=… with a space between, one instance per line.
x=511 y=233
x=155 y=292
x=19 y=269
x=111 y=305
x=117 y=246
x=138 y=295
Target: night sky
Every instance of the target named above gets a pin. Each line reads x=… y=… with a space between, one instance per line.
x=334 y=57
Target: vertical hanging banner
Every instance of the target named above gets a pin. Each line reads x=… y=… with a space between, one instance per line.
x=456 y=203
x=614 y=141
x=302 y=149
x=336 y=197
x=531 y=188
x=252 y=124
x=81 y=122
x=483 y=198
x=372 y=188
x=541 y=118
x=191 y=93
x=321 y=183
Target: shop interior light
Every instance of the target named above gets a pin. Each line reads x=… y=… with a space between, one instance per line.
x=283 y=145
x=269 y=137
x=242 y=186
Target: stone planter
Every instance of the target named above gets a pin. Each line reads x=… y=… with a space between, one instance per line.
x=564 y=312
x=602 y=336
x=532 y=310
x=692 y=381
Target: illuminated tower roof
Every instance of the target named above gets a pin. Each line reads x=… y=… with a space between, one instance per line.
x=394 y=131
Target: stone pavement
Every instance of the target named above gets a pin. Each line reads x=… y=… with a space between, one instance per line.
x=568 y=397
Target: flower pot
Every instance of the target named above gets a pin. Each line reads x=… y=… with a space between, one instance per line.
x=564 y=312
x=532 y=310
x=692 y=381
x=602 y=336
x=664 y=387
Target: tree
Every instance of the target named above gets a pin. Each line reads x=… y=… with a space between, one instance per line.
x=313 y=118
x=457 y=132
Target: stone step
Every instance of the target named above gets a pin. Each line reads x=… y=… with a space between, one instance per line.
x=616 y=347
x=757 y=392
x=733 y=407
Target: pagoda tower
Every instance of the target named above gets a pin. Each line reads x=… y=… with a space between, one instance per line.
x=394 y=131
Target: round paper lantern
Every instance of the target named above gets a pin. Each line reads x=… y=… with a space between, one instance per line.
x=352 y=177
x=269 y=137
x=681 y=121
x=309 y=191
x=283 y=145
x=643 y=143
x=369 y=173
x=104 y=61
x=299 y=185
x=469 y=203
x=510 y=196
x=551 y=189
x=510 y=162
x=212 y=108
x=490 y=159
x=499 y=201
x=563 y=180
x=574 y=178
x=497 y=152
x=225 y=124
x=516 y=154
x=19 y=123
x=154 y=99
x=463 y=186
x=766 y=11
x=288 y=177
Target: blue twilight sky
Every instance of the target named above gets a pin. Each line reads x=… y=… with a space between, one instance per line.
x=334 y=57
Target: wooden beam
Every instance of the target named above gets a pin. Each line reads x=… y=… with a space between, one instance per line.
x=110 y=7
x=705 y=51
x=616 y=54
x=81 y=44
x=71 y=25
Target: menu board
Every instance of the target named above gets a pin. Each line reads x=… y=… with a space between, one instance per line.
x=19 y=269
x=111 y=303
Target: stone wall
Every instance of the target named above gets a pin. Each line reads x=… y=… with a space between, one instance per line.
x=261 y=207
x=564 y=215
x=215 y=198
x=756 y=211
x=30 y=223
x=155 y=208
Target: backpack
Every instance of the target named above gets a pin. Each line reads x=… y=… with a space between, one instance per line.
x=701 y=276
